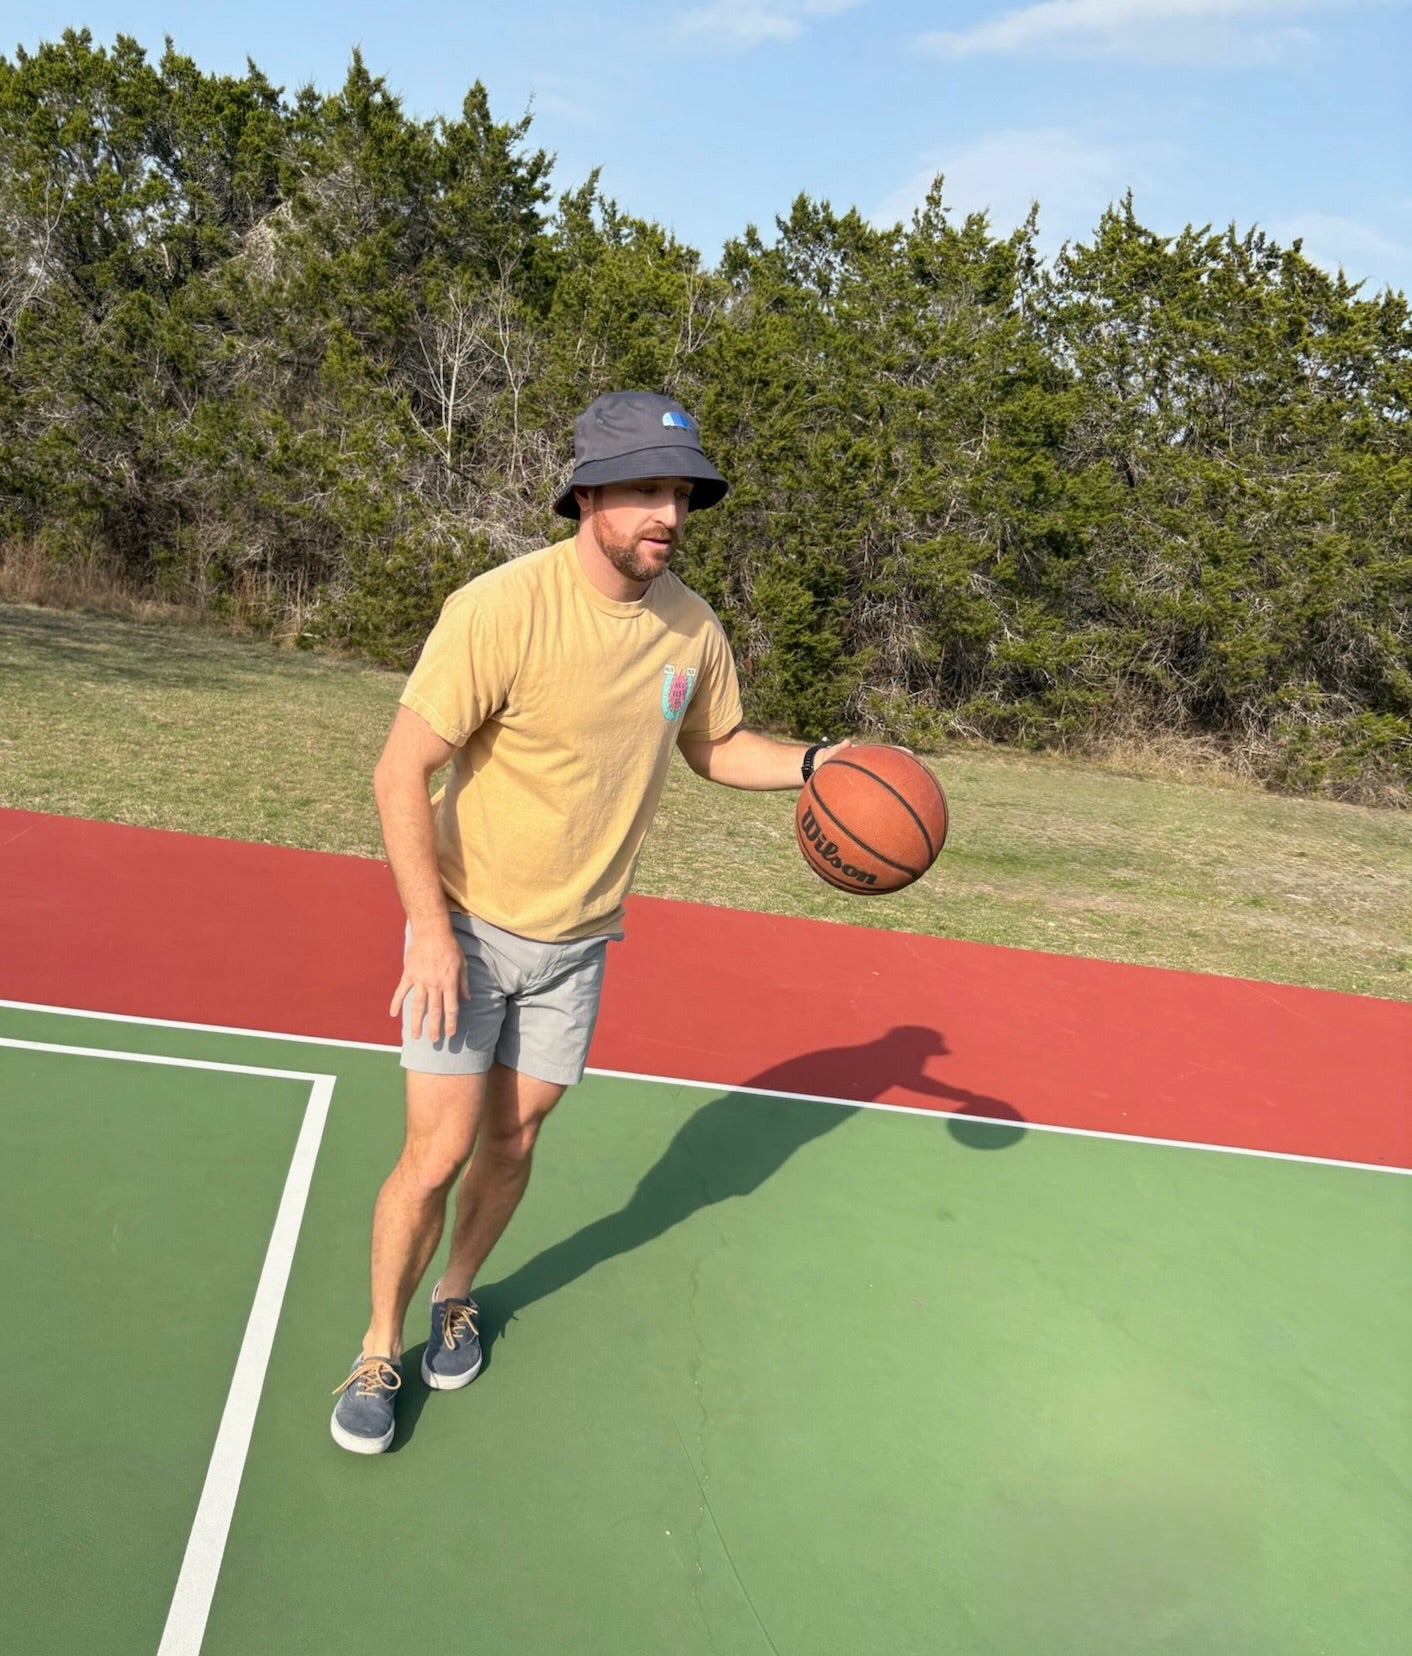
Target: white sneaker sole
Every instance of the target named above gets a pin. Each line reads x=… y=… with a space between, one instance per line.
x=446 y=1382
x=360 y=1445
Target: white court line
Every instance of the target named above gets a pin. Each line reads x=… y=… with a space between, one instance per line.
x=1022 y=1126
x=765 y=1092
x=205 y=1547
x=159 y=1058
x=200 y=1028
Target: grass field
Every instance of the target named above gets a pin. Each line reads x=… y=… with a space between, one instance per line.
x=190 y=729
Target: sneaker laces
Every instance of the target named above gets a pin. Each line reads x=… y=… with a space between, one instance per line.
x=372 y=1375
x=460 y=1321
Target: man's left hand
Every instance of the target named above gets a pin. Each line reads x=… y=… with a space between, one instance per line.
x=823 y=756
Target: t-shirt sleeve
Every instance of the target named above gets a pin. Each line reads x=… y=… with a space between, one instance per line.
x=714 y=710
x=463 y=675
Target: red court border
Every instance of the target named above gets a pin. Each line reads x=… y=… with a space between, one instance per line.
x=174 y=926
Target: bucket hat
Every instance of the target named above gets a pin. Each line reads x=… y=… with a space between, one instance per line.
x=624 y=435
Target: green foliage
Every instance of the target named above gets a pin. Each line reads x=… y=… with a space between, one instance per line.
x=392 y=598
x=310 y=362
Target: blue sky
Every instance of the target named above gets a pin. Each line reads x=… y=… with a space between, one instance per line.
x=710 y=114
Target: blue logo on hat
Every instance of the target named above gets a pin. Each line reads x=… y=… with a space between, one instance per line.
x=680 y=421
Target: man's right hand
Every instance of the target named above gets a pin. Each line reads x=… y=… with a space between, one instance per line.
x=434 y=975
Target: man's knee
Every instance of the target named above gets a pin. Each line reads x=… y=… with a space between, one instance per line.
x=511 y=1140
x=432 y=1169
x=519 y=1106
x=442 y=1112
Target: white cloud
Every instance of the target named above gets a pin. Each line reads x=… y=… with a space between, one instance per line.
x=1072 y=175
x=550 y=94
x=1338 y=243
x=1163 y=31
x=744 y=23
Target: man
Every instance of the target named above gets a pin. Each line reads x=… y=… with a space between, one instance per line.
x=555 y=686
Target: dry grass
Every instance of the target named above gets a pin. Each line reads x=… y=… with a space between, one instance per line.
x=1169 y=758
x=88 y=582
x=191 y=729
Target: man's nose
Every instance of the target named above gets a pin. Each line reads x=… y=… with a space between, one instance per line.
x=670 y=510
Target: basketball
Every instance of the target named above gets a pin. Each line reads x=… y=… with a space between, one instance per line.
x=871 y=820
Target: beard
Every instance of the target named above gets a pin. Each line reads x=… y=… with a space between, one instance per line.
x=627 y=556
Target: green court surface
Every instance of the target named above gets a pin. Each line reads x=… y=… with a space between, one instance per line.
x=766 y=1375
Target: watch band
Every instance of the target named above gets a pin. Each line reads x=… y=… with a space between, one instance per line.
x=806 y=768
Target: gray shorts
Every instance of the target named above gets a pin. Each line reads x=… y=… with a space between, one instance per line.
x=532 y=1007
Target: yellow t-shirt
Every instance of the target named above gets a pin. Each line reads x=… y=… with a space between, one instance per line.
x=564 y=706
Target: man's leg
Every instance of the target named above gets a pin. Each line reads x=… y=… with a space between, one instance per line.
x=513 y=1111
x=442 y=1116
x=442 y=1112
x=545 y=1032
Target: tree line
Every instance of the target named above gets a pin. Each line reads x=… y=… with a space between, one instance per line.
x=313 y=362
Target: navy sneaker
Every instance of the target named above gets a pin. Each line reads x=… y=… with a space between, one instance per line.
x=363 y=1418
x=453 y=1354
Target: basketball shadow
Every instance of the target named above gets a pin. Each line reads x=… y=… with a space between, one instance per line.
x=733 y=1144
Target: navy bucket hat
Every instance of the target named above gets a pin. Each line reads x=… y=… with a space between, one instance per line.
x=624 y=435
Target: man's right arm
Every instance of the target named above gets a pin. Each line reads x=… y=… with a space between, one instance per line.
x=434 y=972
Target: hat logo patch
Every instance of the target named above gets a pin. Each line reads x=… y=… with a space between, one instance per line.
x=680 y=421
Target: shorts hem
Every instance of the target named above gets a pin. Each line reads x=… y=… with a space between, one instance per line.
x=473 y=1063
x=563 y=1075
x=562 y=1078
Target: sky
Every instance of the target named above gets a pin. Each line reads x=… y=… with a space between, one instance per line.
x=710 y=115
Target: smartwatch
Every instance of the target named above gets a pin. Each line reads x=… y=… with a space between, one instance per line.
x=806 y=768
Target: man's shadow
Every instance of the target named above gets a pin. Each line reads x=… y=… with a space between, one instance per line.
x=730 y=1147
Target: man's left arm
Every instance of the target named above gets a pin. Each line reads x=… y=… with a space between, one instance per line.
x=746 y=759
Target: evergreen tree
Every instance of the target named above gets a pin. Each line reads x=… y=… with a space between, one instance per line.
x=313 y=362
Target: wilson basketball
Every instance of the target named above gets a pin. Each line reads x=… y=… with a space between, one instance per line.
x=871 y=821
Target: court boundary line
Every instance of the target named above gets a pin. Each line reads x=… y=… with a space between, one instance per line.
x=184 y=1629
x=162 y=1059
x=757 y=1092
x=199 y=1028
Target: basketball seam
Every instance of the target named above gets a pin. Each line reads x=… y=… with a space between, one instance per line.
x=843 y=828
x=901 y=799
x=840 y=884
